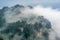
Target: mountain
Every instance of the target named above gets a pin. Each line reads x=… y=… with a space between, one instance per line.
x=15 y=24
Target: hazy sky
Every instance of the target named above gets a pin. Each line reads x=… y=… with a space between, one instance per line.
x=52 y=3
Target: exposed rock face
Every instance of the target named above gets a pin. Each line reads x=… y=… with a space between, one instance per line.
x=24 y=27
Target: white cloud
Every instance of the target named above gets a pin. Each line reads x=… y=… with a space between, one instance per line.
x=53 y=15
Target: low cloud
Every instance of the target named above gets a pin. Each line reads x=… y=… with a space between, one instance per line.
x=53 y=15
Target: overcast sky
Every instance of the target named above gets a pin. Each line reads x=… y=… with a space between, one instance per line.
x=52 y=3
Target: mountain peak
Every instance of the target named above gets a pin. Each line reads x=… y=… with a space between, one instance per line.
x=18 y=5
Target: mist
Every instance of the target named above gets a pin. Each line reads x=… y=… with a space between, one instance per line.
x=24 y=13
x=53 y=15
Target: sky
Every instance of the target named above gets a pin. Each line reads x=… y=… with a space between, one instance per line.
x=51 y=3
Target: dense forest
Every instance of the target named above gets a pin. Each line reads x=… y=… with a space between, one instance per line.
x=27 y=28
